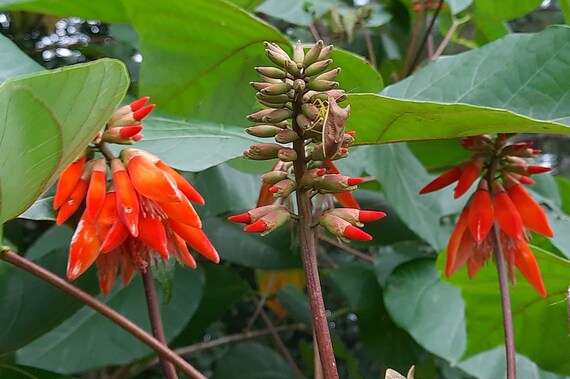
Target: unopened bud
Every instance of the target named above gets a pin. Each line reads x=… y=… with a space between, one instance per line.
x=286 y=136
x=276 y=89
x=299 y=85
x=313 y=53
x=263 y=131
x=312 y=176
x=278 y=115
x=259 y=115
x=343 y=229
x=317 y=67
x=303 y=121
x=292 y=68
x=325 y=53
x=299 y=54
x=254 y=214
x=263 y=151
x=271 y=72
x=275 y=99
x=283 y=188
x=278 y=58
x=269 y=222
x=334 y=183
x=273 y=177
x=310 y=110
x=356 y=216
x=260 y=85
x=287 y=154
x=329 y=75
x=322 y=85
x=122 y=135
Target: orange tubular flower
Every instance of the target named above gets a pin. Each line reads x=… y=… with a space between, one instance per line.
x=510 y=211
x=144 y=216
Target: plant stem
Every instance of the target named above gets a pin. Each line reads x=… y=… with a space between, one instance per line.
x=412 y=44
x=503 y=286
x=309 y=256
x=445 y=40
x=23 y=263
x=156 y=320
x=370 y=47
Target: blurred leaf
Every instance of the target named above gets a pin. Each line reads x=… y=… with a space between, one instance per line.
x=506 y=9
x=535 y=319
x=565 y=8
x=295 y=301
x=401 y=181
x=430 y=310
x=250 y=360
x=271 y=252
x=357 y=75
x=40 y=210
x=26 y=299
x=564 y=186
x=560 y=224
x=250 y=5
x=391 y=257
x=438 y=155
x=14 y=62
x=105 y=10
x=56 y=237
x=224 y=287
x=42 y=133
x=358 y=284
x=489 y=27
x=23 y=372
x=298 y=12
x=63 y=349
x=458 y=6
x=192 y=145
x=491 y=364
x=485 y=77
x=269 y=283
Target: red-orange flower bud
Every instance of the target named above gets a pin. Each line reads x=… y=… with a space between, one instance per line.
x=468 y=176
x=506 y=213
x=197 y=240
x=332 y=183
x=68 y=180
x=127 y=199
x=269 y=222
x=97 y=189
x=255 y=214
x=83 y=250
x=343 y=229
x=443 y=180
x=283 y=188
x=481 y=216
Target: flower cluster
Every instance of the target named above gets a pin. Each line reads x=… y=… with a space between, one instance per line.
x=300 y=97
x=143 y=213
x=500 y=201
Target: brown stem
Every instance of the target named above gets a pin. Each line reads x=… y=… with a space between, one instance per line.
x=104 y=149
x=314 y=32
x=412 y=44
x=503 y=286
x=445 y=40
x=309 y=257
x=156 y=320
x=425 y=38
x=21 y=262
x=370 y=47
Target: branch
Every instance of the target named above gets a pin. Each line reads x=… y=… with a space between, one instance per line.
x=348 y=249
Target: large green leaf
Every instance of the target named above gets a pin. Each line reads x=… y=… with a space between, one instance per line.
x=506 y=9
x=535 y=319
x=495 y=76
x=106 y=10
x=64 y=349
x=49 y=118
x=298 y=12
x=379 y=119
x=431 y=311
x=14 y=62
x=250 y=360
x=23 y=372
x=402 y=177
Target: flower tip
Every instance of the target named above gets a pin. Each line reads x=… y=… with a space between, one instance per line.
x=273 y=189
x=243 y=217
x=321 y=171
x=536 y=169
x=368 y=216
x=130 y=131
x=143 y=112
x=138 y=104
x=257 y=227
x=353 y=233
x=354 y=181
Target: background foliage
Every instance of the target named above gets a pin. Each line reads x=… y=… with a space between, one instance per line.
x=195 y=60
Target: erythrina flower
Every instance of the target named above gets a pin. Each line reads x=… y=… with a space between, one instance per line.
x=145 y=214
x=503 y=203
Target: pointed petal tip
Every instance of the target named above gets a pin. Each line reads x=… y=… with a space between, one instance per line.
x=243 y=218
x=353 y=233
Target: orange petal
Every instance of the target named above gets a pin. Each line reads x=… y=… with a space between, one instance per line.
x=96 y=193
x=197 y=240
x=127 y=200
x=116 y=235
x=481 y=216
x=527 y=265
x=443 y=180
x=152 y=233
x=182 y=212
x=465 y=251
x=532 y=214
x=181 y=251
x=152 y=182
x=473 y=267
x=128 y=269
x=107 y=269
x=72 y=203
x=83 y=250
x=469 y=175
x=346 y=200
x=67 y=181
x=265 y=196
x=182 y=183
x=506 y=213
x=455 y=240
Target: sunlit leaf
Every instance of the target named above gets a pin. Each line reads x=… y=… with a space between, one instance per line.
x=14 y=62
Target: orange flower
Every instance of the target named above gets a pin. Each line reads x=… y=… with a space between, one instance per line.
x=510 y=211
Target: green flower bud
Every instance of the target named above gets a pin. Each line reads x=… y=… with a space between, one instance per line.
x=317 y=67
x=286 y=136
x=313 y=54
x=322 y=85
x=278 y=115
x=287 y=154
x=299 y=54
x=271 y=72
x=263 y=131
x=276 y=89
x=273 y=177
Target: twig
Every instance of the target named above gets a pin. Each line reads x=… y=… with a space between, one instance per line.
x=314 y=32
x=370 y=47
x=348 y=249
x=412 y=44
x=21 y=262
x=426 y=36
x=156 y=320
x=445 y=40
x=279 y=342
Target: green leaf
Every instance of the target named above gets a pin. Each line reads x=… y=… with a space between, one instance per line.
x=250 y=360
x=14 y=62
x=295 y=301
x=206 y=76
x=491 y=364
x=535 y=319
x=63 y=349
x=393 y=256
x=458 y=6
x=565 y=8
x=24 y=297
x=506 y=9
x=41 y=210
x=401 y=181
x=298 y=12
x=271 y=252
x=485 y=77
x=357 y=75
x=357 y=283
x=23 y=372
x=431 y=311
x=105 y=10
x=42 y=133
x=378 y=119
x=192 y=145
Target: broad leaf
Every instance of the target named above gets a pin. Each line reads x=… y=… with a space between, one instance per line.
x=493 y=76
x=23 y=372
x=458 y=6
x=63 y=349
x=298 y=12
x=506 y=9
x=431 y=311
x=536 y=320
x=43 y=132
x=295 y=301
x=250 y=360
x=14 y=62
x=106 y=10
